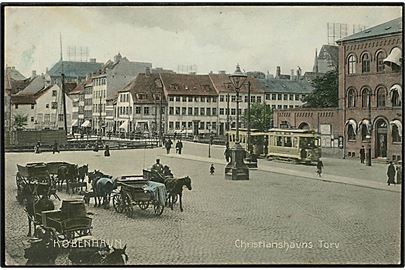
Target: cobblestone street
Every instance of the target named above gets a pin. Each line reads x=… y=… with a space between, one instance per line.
x=230 y=221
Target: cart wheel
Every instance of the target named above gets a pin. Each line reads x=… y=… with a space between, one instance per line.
x=118 y=203
x=143 y=205
x=158 y=209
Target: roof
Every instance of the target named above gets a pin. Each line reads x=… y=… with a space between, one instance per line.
x=143 y=88
x=387 y=28
x=69 y=86
x=15 y=85
x=74 y=69
x=79 y=87
x=223 y=84
x=16 y=99
x=36 y=84
x=187 y=84
x=286 y=86
x=14 y=74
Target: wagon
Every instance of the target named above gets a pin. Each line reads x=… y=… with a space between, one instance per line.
x=135 y=190
x=36 y=177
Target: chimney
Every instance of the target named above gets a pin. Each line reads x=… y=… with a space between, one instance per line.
x=278 y=72
x=292 y=75
x=298 y=73
x=147 y=71
x=92 y=60
x=34 y=73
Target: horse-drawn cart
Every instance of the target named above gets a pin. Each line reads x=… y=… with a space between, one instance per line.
x=135 y=190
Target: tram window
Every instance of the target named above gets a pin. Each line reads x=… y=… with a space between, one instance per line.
x=287 y=142
x=279 y=141
x=295 y=140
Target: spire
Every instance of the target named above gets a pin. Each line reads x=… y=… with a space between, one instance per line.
x=316 y=67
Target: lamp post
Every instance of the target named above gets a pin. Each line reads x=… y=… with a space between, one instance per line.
x=236 y=169
x=369 y=132
x=210 y=142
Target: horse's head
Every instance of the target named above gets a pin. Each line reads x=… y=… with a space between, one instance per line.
x=86 y=169
x=187 y=182
x=118 y=256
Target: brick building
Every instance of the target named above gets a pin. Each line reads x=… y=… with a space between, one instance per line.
x=370 y=96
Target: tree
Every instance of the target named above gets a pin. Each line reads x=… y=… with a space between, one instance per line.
x=20 y=120
x=325 y=92
x=260 y=116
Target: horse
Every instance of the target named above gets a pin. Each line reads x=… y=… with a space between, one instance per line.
x=82 y=171
x=117 y=257
x=174 y=187
x=67 y=173
x=97 y=252
x=43 y=250
x=102 y=186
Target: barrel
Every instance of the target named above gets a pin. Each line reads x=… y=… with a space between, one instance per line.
x=73 y=208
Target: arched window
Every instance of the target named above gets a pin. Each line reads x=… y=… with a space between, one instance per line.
x=380 y=63
x=381 y=97
x=365 y=63
x=364 y=132
x=352 y=64
x=365 y=98
x=351 y=98
x=351 y=134
x=395 y=99
x=396 y=137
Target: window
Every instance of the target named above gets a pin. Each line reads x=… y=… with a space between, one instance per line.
x=190 y=111
x=202 y=99
x=208 y=99
x=285 y=106
x=351 y=98
x=202 y=125
x=47 y=106
x=252 y=99
x=221 y=98
x=32 y=106
x=214 y=99
x=208 y=111
x=146 y=110
x=365 y=63
x=351 y=135
x=365 y=98
x=395 y=98
x=54 y=105
x=183 y=124
x=279 y=107
x=171 y=98
x=184 y=111
x=221 y=111
x=190 y=99
x=352 y=64
x=273 y=96
x=138 y=110
x=395 y=134
x=190 y=125
x=184 y=99
x=171 y=124
x=177 y=98
x=171 y=110
x=285 y=96
x=177 y=110
x=246 y=98
x=364 y=132
x=177 y=125
x=202 y=111
x=380 y=63
x=273 y=106
x=233 y=98
x=381 y=97
x=196 y=110
x=196 y=99
x=233 y=111
x=279 y=97
x=60 y=117
x=290 y=96
x=214 y=111
x=54 y=93
x=259 y=99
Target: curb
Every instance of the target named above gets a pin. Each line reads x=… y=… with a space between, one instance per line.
x=326 y=178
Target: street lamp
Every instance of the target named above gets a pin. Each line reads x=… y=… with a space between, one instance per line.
x=236 y=169
x=369 y=131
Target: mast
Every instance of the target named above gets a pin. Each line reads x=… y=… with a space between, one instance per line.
x=63 y=87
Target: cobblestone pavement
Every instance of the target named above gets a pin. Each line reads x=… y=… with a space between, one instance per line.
x=224 y=221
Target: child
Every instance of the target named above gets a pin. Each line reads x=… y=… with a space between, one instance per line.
x=212 y=169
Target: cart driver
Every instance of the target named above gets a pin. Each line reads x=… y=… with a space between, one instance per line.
x=157 y=167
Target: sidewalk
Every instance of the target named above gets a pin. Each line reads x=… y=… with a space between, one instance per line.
x=300 y=173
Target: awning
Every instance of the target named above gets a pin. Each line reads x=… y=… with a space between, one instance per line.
x=86 y=124
x=397 y=88
x=124 y=125
x=144 y=125
x=399 y=126
x=75 y=123
x=394 y=57
x=353 y=124
x=185 y=131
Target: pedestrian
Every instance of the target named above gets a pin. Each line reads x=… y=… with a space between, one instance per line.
x=96 y=147
x=175 y=135
x=227 y=154
x=107 y=151
x=55 y=147
x=168 y=145
x=399 y=174
x=391 y=174
x=179 y=146
x=212 y=169
x=362 y=154
x=319 y=167
x=37 y=149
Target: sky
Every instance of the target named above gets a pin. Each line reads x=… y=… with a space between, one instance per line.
x=213 y=38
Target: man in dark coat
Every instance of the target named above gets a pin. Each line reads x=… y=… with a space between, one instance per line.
x=391 y=174
x=319 y=167
x=362 y=154
x=227 y=154
x=179 y=146
x=107 y=151
x=55 y=148
x=168 y=145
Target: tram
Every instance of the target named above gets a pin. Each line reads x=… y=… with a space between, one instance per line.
x=289 y=144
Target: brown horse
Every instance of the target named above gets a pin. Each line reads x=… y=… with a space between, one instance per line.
x=174 y=188
x=102 y=186
x=67 y=173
